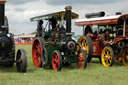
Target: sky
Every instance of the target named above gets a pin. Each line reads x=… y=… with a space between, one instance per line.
x=19 y=12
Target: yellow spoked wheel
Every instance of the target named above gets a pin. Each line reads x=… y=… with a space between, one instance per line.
x=107 y=56
x=85 y=43
x=124 y=56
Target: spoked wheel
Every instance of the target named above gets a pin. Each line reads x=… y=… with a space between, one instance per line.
x=56 y=61
x=124 y=56
x=85 y=43
x=36 y=52
x=82 y=59
x=21 y=60
x=107 y=56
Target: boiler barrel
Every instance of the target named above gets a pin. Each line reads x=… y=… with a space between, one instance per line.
x=6 y=43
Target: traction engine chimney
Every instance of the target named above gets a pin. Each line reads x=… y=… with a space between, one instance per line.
x=68 y=19
x=2 y=12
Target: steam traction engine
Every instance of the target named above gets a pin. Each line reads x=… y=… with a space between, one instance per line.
x=7 y=46
x=54 y=46
x=105 y=37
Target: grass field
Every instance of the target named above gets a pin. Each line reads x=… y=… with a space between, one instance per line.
x=94 y=74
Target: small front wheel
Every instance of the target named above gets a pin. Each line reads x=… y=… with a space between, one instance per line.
x=56 y=60
x=21 y=60
x=82 y=59
x=107 y=56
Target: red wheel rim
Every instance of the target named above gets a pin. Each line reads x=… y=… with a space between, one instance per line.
x=80 y=62
x=36 y=53
x=55 y=61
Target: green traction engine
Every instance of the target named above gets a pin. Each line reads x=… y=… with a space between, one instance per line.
x=53 y=45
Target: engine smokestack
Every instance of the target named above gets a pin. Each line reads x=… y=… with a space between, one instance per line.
x=2 y=12
x=68 y=18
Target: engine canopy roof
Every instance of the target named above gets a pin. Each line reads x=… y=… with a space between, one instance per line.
x=101 y=20
x=56 y=15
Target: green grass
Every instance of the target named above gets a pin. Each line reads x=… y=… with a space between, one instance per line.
x=94 y=74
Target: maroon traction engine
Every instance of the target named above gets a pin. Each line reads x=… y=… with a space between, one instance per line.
x=105 y=37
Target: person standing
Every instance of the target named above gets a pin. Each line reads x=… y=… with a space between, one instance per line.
x=40 y=28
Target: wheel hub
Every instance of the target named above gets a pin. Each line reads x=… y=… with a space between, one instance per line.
x=36 y=53
x=54 y=61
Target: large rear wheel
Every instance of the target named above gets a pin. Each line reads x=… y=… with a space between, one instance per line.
x=39 y=52
x=85 y=43
x=107 y=56
x=36 y=52
x=124 y=56
x=56 y=60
